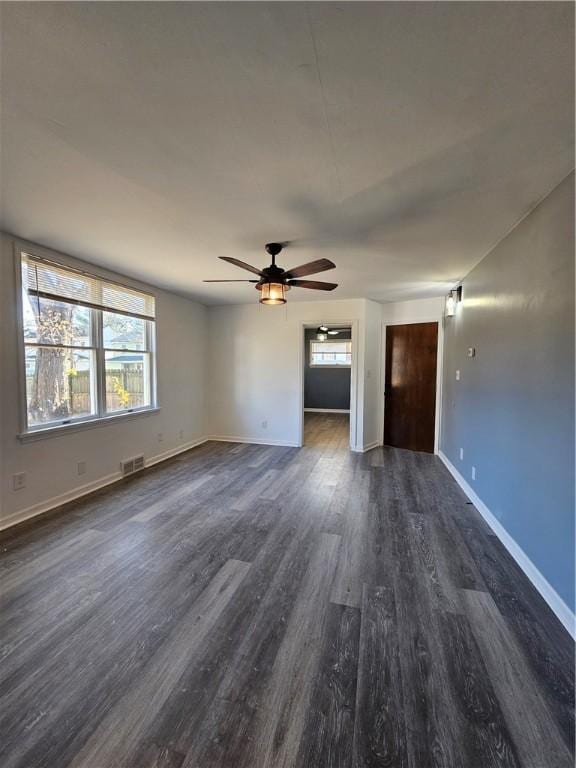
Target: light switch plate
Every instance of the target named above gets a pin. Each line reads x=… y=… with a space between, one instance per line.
x=457 y=375
x=471 y=351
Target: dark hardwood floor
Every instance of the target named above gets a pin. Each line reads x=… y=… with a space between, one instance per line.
x=246 y=606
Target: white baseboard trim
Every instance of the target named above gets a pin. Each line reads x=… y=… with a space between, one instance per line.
x=326 y=410
x=556 y=603
x=82 y=490
x=253 y=441
x=58 y=501
x=175 y=451
x=371 y=446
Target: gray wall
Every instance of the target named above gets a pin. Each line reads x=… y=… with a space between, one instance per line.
x=328 y=387
x=513 y=409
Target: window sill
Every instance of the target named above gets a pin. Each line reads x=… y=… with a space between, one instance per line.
x=78 y=426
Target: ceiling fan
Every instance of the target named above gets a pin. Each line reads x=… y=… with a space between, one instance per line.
x=323 y=332
x=273 y=281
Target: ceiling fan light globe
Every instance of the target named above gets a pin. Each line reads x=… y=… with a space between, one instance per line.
x=272 y=294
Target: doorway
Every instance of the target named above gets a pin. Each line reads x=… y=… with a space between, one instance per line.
x=410 y=386
x=327 y=386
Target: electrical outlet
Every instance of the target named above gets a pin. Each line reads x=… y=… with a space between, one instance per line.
x=457 y=375
x=81 y=467
x=471 y=351
x=160 y=437
x=461 y=454
x=473 y=473
x=265 y=424
x=19 y=481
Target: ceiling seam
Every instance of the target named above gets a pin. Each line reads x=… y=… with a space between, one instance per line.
x=324 y=106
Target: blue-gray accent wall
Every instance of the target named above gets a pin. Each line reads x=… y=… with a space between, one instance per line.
x=512 y=411
x=325 y=387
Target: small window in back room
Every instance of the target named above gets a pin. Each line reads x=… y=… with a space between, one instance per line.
x=331 y=354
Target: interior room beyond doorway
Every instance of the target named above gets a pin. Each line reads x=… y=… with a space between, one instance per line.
x=327 y=383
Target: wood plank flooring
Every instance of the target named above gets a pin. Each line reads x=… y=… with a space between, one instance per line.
x=248 y=606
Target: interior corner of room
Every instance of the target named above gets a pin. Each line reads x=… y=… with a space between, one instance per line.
x=287 y=384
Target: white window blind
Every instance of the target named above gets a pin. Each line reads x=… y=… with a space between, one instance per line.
x=49 y=280
x=331 y=353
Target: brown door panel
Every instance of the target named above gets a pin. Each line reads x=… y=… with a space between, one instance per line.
x=410 y=399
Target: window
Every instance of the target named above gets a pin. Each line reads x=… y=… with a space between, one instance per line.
x=88 y=345
x=331 y=354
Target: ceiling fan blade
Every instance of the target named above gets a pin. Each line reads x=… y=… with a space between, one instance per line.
x=321 y=265
x=241 y=264
x=315 y=285
x=230 y=281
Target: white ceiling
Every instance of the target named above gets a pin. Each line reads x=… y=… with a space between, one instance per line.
x=401 y=140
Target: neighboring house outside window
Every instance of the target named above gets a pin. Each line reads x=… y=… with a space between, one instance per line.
x=88 y=345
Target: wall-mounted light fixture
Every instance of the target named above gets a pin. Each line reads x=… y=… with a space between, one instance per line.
x=453 y=298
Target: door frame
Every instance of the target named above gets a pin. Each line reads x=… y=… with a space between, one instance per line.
x=439 y=364
x=354 y=400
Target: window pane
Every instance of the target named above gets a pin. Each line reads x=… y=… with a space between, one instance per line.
x=56 y=322
x=331 y=353
x=59 y=384
x=123 y=332
x=127 y=380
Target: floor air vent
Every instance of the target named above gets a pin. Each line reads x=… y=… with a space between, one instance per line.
x=138 y=463
x=132 y=465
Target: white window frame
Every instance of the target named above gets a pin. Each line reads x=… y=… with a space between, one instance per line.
x=101 y=350
x=327 y=366
x=101 y=417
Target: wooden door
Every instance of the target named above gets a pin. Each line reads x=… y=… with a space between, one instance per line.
x=410 y=394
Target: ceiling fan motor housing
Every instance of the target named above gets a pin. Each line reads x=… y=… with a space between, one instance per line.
x=273 y=274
